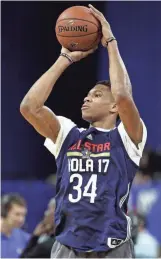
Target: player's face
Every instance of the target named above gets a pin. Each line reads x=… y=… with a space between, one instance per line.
x=97 y=104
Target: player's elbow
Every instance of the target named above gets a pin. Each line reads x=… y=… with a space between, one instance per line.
x=26 y=108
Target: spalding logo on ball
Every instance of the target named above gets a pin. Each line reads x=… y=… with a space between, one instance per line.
x=77 y=29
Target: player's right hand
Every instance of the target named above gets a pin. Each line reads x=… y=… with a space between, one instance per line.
x=106 y=28
x=77 y=55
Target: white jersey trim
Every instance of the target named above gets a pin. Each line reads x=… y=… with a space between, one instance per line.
x=123 y=199
x=135 y=153
x=65 y=127
x=128 y=235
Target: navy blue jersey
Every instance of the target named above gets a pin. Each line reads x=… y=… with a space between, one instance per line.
x=95 y=170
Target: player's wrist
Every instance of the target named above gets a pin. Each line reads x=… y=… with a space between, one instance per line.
x=110 y=40
x=64 y=62
x=67 y=57
x=112 y=45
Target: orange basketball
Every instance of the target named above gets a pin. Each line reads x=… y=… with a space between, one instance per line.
x=77 y=29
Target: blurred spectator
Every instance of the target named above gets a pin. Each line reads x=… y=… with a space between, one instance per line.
x=145 y=200
x=13 y=213
x=144 y=193
x=146 y=246
x=42 y=240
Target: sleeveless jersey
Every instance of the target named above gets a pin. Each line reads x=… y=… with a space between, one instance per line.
x=95 y=170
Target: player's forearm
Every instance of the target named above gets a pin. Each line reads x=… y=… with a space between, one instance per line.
x=120 y=82
x=40 y=91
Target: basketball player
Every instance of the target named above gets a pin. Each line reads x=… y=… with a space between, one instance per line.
x=95 y=166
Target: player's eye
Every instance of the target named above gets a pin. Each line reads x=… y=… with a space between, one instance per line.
x=98 y=95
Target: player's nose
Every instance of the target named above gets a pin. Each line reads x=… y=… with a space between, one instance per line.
x=87 y=99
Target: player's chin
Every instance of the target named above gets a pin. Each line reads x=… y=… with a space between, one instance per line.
x=87 y=116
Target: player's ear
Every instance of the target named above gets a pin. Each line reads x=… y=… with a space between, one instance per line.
x=113 y=108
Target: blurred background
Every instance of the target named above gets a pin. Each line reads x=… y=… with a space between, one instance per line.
x=28 y=48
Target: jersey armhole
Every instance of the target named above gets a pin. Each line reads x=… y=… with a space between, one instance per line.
x=134 y=152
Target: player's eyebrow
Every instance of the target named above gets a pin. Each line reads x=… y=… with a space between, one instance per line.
x=93 y=91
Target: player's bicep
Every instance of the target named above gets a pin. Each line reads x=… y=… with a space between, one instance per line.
x=44 y=121
x=130 y=118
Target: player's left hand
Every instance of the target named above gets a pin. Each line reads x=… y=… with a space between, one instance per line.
x=106 y=29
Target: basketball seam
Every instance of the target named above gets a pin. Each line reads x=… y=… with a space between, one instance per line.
x=91 y=45
x=93 y=42
x=76 y=36
x=78 y=20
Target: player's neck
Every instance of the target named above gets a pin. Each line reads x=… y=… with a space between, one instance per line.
x=109 y=123
x=5 y=228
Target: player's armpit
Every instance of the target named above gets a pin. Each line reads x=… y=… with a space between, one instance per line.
x=130 y=118
x=43 y=120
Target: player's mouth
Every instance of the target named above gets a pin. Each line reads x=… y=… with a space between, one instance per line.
x=84 y=107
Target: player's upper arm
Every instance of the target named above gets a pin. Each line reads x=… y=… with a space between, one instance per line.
x=43 y=120
x=130 y=118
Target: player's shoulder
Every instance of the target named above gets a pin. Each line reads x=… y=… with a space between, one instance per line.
x=67 y=124
x=123 y=133
x=65 y=121
x=69 y=133
x=134 y=152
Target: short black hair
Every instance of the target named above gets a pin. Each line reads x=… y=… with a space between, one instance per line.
x=107 y=83
x=104 y=82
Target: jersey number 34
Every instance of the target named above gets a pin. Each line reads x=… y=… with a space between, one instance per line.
x=91 y=184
